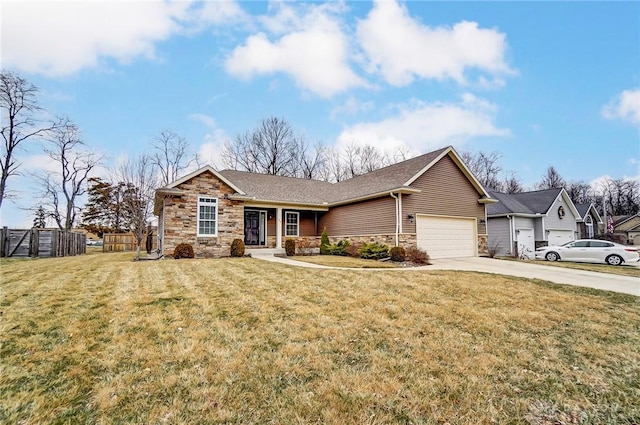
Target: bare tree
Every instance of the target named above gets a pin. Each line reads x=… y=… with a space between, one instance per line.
x=271 y=148
x=333 y=169
x=170 y=156
x=580 y=192
x=511 y=184
x=551 y=180
x=19 y=109
x=63 y=187
x=140 y=181
x=311 y=160
x=486 y=168
x=621 y=196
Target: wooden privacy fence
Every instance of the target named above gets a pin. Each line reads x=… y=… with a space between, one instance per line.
x=127 y=242
x=41 y=243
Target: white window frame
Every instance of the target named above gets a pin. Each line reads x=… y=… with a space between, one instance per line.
x=588 y=227
x=287 y=224
x=206 y=201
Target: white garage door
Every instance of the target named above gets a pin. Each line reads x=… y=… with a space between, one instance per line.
x=559 y=237
x=446 y=237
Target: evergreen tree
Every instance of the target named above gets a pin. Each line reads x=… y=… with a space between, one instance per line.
x=40 y=220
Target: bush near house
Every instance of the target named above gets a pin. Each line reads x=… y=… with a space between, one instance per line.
x=290 y=247
x=183 y=250
x=353 y=250
x=237 y=248
x=324 y=242
x=373 y=251
x=397 y=254
x=416 y=255
x=340 y=248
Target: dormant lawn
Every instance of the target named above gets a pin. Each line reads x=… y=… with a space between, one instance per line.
x=101 y=339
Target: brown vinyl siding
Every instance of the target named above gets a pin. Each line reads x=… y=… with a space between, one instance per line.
x=445 y=191
x=307 y=223
x=376 y=216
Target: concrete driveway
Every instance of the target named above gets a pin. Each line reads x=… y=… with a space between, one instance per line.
x=606 y=281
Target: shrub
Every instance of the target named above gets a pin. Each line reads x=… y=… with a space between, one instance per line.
x=416 y=255
x=324 y=242
x=237 y=248
x=183 y=250
x=353 y=250
x=340 y=248
x=397 y=254
x=305 y=246
x=290 y=247
x=373 y=251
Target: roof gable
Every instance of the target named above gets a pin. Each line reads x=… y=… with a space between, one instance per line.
x=585 y=209
x=205 y=169
x=537 y=202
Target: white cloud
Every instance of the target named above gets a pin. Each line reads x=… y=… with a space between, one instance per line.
x=212 y=143
x=421 y=126
x=401 y=48
x=313 y=50
x=625 y=107
x=62 y=37
x=351 y=106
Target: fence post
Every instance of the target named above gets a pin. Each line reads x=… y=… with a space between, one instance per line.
x=3 y=239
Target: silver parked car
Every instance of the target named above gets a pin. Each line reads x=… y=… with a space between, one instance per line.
x=589 y=250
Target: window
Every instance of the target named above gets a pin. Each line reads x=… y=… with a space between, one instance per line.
x=207 y=216
x=588 y=224
x=580 y=244
x=600 y=244
x=291 y=220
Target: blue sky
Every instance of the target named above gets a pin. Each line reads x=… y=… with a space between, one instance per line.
x=542 y=83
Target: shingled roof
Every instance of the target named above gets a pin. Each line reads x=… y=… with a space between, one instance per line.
x=535 y=202
x=270 y=188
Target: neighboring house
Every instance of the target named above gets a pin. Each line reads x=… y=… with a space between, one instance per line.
x=521 y=222
x=590 y=223
x=432 y=201
x=629 y=228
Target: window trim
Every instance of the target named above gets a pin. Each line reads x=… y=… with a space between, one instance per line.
x=588 y=227
x=215 y=219
x=287 y=224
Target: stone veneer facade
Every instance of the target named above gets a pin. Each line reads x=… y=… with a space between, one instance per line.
x=405 y=240
x=179 y=218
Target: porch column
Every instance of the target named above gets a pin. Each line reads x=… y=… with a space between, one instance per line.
x=278 y=227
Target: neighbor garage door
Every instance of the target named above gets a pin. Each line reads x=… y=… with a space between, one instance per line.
x=446 y=237
x=559 y=237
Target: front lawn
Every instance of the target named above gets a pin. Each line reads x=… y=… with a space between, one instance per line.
x=101 y=339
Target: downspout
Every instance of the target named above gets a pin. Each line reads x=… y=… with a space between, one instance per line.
x=397 y=214
x=510 y=234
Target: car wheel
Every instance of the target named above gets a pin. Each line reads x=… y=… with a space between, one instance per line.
x=552 y=256
x=614 y=260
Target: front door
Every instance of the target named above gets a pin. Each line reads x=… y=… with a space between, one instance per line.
x=254 y=227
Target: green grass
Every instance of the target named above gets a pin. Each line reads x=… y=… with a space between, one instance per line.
x=102 y=339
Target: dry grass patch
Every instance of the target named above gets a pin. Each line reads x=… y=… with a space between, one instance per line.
x=340 y=261
x=101 y=339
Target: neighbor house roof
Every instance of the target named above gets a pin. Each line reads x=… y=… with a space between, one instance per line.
x=393 y=178
x=583 y=210
x=537 y=202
